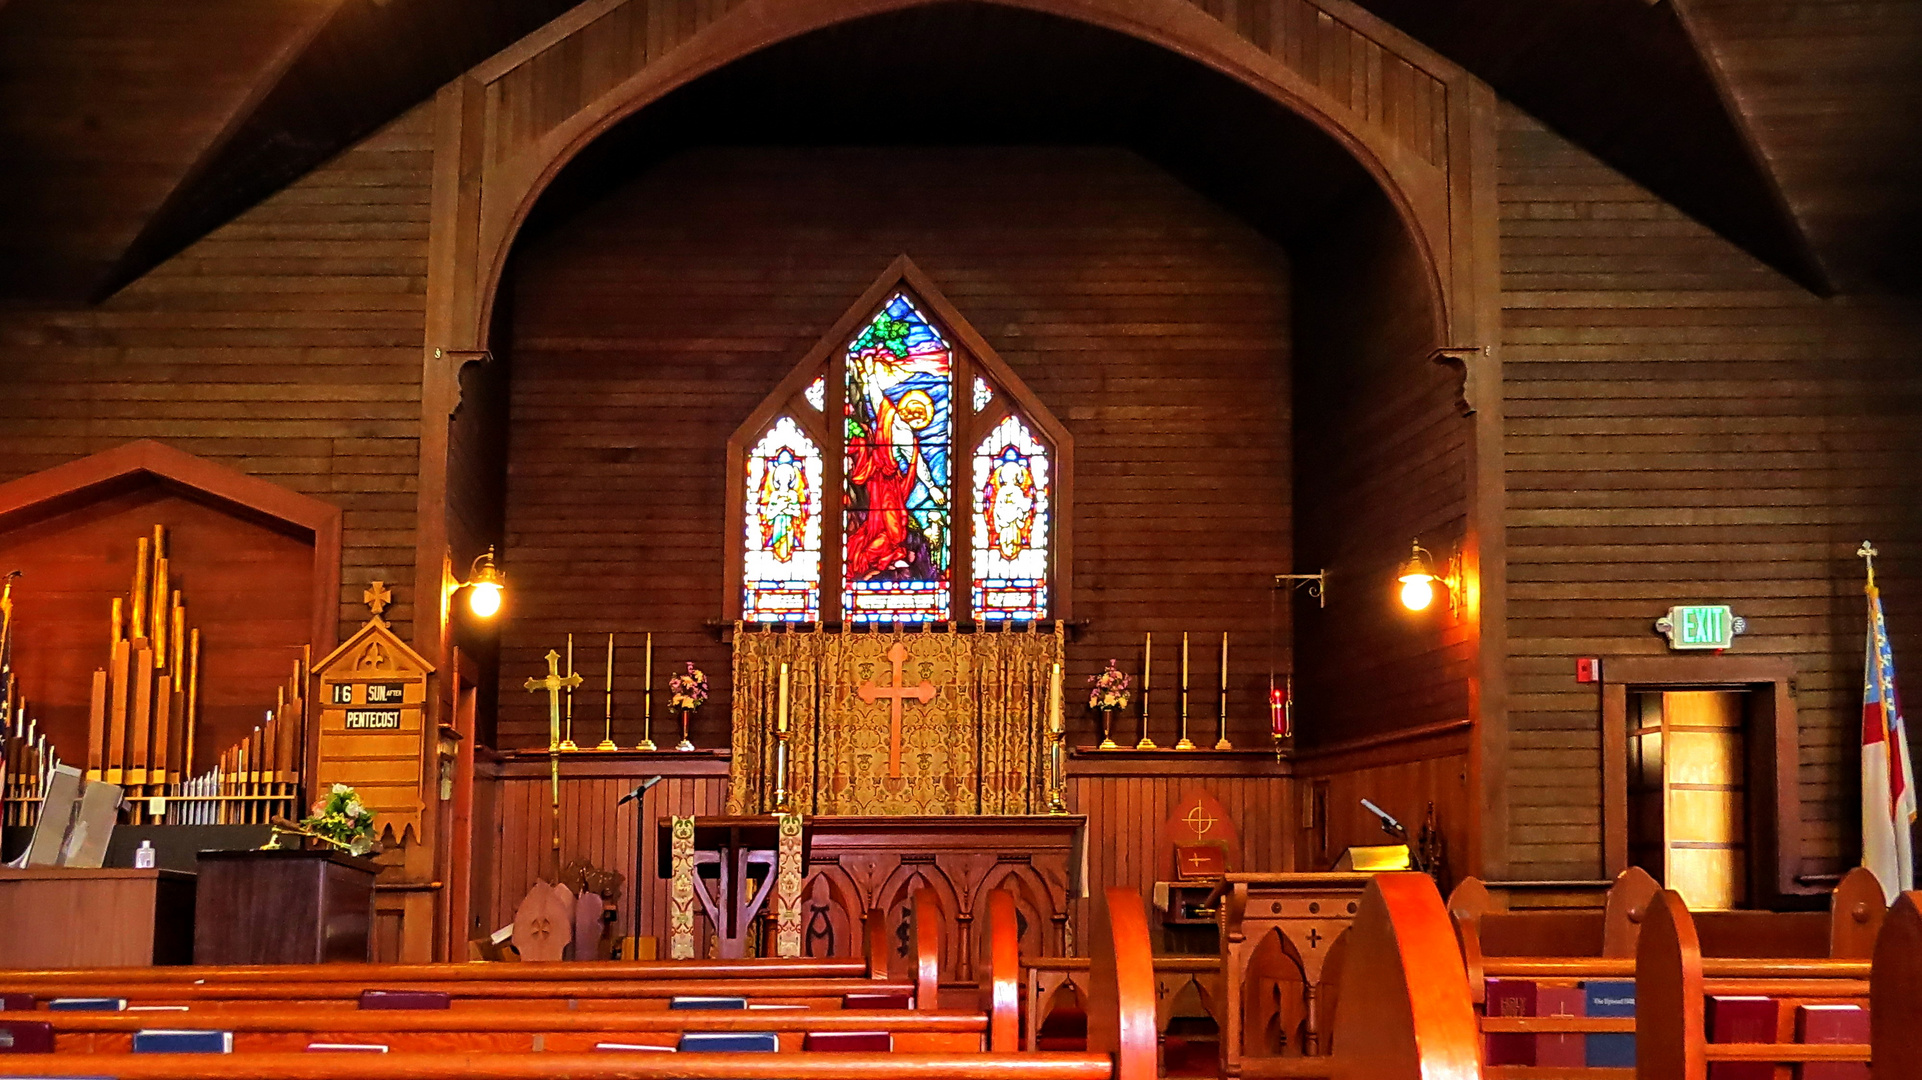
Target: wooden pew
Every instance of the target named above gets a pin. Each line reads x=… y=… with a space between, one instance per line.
x=1673 y=982
x=1281 y=929
x=560 y=985
x=1497 y=944
x=1121 y=1041
x=1048 y=980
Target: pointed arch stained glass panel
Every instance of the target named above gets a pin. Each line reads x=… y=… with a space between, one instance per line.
x=897 y=494
x=1012 y=512
x=781 y=578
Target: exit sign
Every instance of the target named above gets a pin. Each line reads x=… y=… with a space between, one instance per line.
x=1700 y=626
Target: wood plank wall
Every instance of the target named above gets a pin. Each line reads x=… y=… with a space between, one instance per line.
x=645 y=329
x=1381 y=452
x=285 y=344
x=592 y=828
x=1683 y=425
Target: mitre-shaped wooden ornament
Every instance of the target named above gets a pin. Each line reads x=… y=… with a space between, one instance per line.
x=544 y=923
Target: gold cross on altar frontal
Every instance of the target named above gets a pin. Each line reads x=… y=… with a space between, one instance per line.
x=900 y=692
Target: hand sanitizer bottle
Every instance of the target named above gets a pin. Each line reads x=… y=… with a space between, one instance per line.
x=143 y=856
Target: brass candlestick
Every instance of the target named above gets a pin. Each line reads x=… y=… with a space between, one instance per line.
x=1184 y=743
x=1147 y=677
x=1057 y=738
x=783 y=798
x=567 y=742
x=1221 y=723
x=607 y=734
x=647 y=698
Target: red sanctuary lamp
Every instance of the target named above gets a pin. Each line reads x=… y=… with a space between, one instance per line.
x=1281 y=712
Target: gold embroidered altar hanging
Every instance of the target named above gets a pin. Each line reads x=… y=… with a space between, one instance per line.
x=972 y=715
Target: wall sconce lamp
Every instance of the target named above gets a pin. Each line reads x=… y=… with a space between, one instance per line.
x=485 y=582
x=1317 y=584
x=1418 y=578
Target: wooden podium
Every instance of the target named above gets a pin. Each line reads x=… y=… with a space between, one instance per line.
x=62 y=918
x=284 y=907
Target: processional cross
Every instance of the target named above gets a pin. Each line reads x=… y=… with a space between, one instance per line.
x=900 y=692
x=554 y=683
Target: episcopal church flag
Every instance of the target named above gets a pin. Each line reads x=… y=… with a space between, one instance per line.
x=1888 y=783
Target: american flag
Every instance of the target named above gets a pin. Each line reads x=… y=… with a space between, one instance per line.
x=1888 y=782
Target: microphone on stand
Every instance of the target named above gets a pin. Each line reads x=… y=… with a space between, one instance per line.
x=637 y=792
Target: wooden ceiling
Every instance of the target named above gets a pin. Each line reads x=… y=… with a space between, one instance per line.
x=129 y=128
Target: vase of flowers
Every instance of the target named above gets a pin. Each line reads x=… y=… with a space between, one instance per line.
x=1107 y=695
x=340 y=820
x=687 y=692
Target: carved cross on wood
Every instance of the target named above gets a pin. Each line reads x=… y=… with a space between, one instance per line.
x=923 y=693
x=377 y=597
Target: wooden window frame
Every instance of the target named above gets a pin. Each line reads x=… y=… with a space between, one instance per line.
x=1774 y=840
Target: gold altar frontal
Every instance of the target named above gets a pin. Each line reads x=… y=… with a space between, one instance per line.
x=858 y=863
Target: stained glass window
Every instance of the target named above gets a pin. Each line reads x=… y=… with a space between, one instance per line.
x=817 y=394
x=897 y=495
x=1012 y=489
x=983 y=393
x=781 y=578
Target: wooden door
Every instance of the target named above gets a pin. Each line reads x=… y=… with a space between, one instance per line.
x=1705 y=816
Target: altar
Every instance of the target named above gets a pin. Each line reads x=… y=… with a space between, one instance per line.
x=857 y=863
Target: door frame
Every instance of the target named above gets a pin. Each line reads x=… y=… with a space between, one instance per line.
x=1771 y=744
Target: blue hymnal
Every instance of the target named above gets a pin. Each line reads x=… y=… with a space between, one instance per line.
x=1610 y=1049
x=763 y=1042
x=183 y=1042
x=708 y=1003
x=87 y=1004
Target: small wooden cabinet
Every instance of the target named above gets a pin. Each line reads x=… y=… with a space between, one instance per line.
x=62 y=918
x=284 y=907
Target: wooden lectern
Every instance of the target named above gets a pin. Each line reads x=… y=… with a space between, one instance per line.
x=284 y=907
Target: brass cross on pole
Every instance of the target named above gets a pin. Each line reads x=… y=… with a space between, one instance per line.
x=923 y=693
x=554 y=683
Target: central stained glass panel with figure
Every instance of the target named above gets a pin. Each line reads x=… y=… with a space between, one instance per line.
x=897 y=495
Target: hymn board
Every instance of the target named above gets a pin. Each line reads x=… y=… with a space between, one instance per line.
x=373 y=709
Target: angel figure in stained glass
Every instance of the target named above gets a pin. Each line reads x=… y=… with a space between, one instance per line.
x=783 y=503
x=1009 y=498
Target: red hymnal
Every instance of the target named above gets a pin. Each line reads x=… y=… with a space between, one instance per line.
x=1569 y=1050
x=404 y=999
x=1832 y=1024
x=1510 y=997
x=1743 y=1019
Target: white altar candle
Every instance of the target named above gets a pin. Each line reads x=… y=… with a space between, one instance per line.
x=1054 y=699
x=780 y=713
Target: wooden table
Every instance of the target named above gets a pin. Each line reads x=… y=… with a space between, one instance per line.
x=62 y=918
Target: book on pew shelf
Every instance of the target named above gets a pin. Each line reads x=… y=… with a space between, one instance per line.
x=631 y=1046
x=851 y=1042
x=874 y=1001
x=1741 y=1018
x=26 y=1037
x=1510 y=997
x=753 y=1005
x=365 y=1048
x=405 y=999
x=18 y=1002
x=1568 y=1048
x=692 y=1002
x=1612 y=998
x=735 y=1042
x=1828 y=1024
x=88 y=1004
x=158 y=1041
x=157 y=1008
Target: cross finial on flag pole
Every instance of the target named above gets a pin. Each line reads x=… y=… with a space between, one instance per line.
x=1867 y=553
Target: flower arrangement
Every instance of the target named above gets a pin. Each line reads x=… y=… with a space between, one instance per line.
x=1110 y=689
x=688 y=691
x=341 y=820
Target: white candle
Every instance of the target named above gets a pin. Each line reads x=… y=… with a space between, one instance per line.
x=1054 y=699
x=780 y=715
